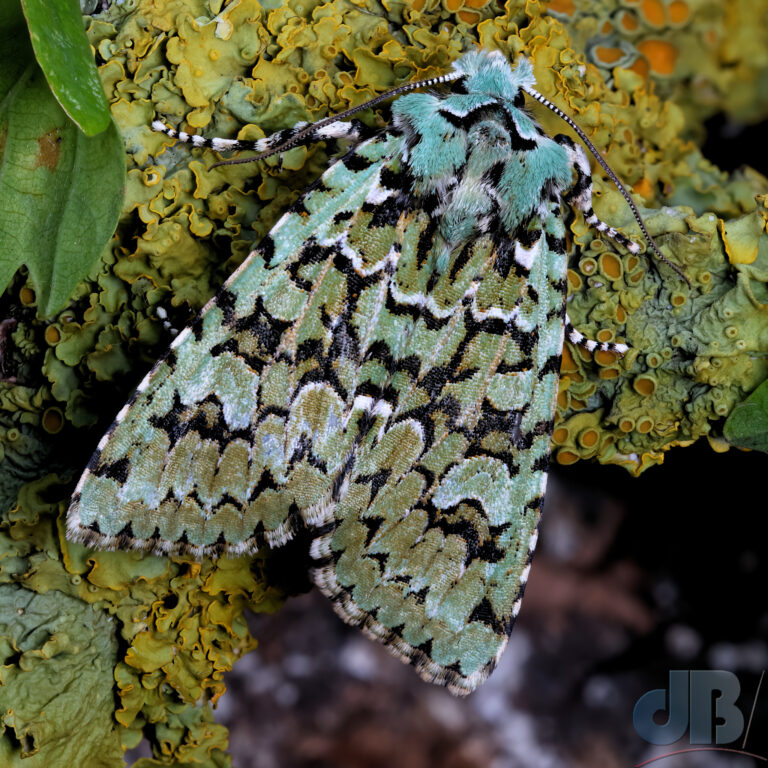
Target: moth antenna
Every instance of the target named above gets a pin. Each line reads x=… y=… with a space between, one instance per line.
x=312 y=127
x=613 y=177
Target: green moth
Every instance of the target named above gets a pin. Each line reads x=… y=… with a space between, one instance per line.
x=381 y=371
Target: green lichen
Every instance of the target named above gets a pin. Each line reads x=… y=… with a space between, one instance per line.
x=695 y=354
x=53 y=648
x=175 y=627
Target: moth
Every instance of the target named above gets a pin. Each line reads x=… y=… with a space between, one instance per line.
x=381 y=371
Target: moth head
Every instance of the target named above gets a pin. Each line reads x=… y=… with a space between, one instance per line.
x=489 y=72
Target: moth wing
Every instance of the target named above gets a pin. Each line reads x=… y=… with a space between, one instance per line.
x=345 y=380
x=427 y=543
x=240 y=428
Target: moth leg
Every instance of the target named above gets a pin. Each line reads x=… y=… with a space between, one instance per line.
x=579 y=196
x=300 y=134
x=578 y=338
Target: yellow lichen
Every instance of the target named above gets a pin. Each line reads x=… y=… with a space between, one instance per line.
x=27 y=296
x=660 y=55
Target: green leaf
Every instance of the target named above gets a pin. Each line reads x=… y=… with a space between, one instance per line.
x=747 y=426
x=64 y=54
x=60 y=190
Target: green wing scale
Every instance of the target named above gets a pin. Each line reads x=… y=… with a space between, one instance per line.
x=382 y=371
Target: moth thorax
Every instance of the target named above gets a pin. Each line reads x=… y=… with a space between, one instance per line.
x=488 y=142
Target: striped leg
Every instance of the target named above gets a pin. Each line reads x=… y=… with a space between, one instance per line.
x=299 y=134
x=578 y=338
x=580 y=194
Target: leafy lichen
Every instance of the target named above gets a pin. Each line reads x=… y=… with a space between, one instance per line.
x=53 y=648
x=247 y=69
